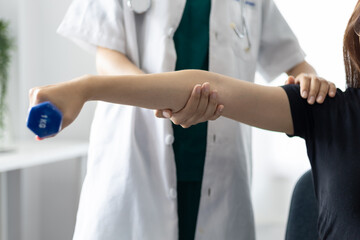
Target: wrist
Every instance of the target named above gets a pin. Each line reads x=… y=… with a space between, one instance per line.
x=85 y=88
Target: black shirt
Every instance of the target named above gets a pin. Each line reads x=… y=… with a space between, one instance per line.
x=332 y=134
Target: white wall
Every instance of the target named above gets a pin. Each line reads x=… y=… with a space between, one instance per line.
x=43 y=200
x=42 y=57
x=279 y=160
x=46 y=58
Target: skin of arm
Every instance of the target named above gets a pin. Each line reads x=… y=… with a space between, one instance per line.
x=111 y=62
x=256 y=105
x=303 y=67
x=312 y=88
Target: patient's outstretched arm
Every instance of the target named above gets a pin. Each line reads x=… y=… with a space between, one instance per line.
x=256 y=105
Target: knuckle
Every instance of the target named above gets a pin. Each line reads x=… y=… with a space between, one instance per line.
x=34 y=92
x=206 y=115
x=185 y=126
x=323 y=91
x=212 y=118
x=157 y=114
x=313 y=92
x=38 y=95
x=213 y=101
x=211 y=113
x=216 y=116
x=182 y=120
x=195 y=118
x=198 y=113
x=322 y=80
x=301 y=75
x=304 y=80
x=199 y=120
x=176 y=121
x=31 y=92
x=315 y=81
x=203 y=114
x=196 y=97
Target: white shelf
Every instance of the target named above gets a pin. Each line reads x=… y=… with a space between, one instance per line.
x=33 y=153
x=29 y=154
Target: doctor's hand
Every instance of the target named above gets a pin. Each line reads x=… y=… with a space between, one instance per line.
x=312 y=87
x=66 y=96
x=200 y=107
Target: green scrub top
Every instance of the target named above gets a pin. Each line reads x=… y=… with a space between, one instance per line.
x=192 y=49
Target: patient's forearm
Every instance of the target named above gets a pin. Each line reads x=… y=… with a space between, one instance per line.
x=264 y=107
x=154 y=91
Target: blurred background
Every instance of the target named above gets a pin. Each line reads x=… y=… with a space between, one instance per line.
x=39 y=201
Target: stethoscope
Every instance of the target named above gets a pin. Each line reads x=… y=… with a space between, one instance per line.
x=139 y=6
x=243 y=32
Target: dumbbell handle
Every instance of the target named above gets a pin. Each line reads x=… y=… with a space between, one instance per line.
x=44 y=119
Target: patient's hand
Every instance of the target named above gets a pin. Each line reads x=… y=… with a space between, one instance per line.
x=201 y=106
x=312 y=87
x=66 y=96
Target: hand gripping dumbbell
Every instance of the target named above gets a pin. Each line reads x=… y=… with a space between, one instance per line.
x=44 y=119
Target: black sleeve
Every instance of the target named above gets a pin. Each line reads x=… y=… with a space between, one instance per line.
x=301 y=112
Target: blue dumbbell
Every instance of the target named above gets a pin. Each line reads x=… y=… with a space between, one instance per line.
x=44 y=119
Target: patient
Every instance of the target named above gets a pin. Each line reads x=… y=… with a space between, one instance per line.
x=331 y=130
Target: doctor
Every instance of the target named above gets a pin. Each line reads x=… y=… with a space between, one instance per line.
x=148 y=178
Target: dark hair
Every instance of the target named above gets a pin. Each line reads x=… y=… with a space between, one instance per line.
x=351 y=50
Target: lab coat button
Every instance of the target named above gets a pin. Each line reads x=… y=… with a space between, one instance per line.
x=170 y=32
x=169 y=139
x=216 y=35
x=172 y=193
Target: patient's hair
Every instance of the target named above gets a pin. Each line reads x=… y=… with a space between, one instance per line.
x=351 y=51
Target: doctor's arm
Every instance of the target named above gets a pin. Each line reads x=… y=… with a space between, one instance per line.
x=111 y=62
x=256 y=105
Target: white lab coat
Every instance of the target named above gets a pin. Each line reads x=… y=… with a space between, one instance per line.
x=130 y=187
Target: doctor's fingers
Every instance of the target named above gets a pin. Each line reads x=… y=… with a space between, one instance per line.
x=332 y=89
x=290 y=80
x=218 y=113
x=212 y=111
x=304 y=80
x=314 y=92
x=325 y=89
x=204 y=100
x=164 y=113
x=190 y=108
